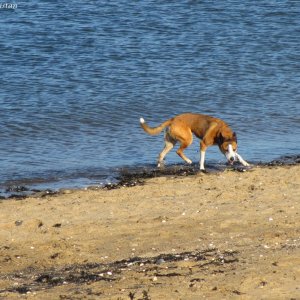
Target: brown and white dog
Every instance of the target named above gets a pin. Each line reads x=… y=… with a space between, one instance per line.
x=211 y=131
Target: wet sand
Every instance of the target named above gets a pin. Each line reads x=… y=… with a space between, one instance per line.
x=222 y=235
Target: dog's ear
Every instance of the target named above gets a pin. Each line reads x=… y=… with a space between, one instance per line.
x=234 y=136
x=220 y=138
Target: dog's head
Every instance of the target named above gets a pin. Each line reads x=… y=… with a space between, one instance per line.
x=228 y=146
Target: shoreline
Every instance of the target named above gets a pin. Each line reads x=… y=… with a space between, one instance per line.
x=216 y=235
x=130 y=176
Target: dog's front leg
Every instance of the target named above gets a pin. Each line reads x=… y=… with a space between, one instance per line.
x=202 y=155
x=240 y=159
x=202 y=159
x=206 y=141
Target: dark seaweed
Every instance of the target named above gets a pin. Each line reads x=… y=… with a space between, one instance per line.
x=34 y=280
x=137 y=176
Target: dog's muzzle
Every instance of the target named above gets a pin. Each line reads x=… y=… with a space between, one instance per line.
x=230 y=155
x=231 y=160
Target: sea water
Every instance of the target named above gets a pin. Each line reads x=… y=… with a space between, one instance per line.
x=76 y=77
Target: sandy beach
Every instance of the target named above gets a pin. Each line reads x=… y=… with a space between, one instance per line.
x=227 y=235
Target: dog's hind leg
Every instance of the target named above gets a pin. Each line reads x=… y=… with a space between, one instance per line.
x=169 y=144
x=181 y=154
x=180 y=132
x=184 y=144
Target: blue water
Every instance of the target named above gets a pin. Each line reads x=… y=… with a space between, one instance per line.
x=76 y=77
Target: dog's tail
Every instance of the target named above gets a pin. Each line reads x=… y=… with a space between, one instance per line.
x=154 y=130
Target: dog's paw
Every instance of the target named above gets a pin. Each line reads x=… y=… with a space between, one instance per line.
x=161 y=164
x=142 y=121
x=203 y=171
x=189 y=161
x=245 y=164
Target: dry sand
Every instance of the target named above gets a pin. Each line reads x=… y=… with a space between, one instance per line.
x=229 y=235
